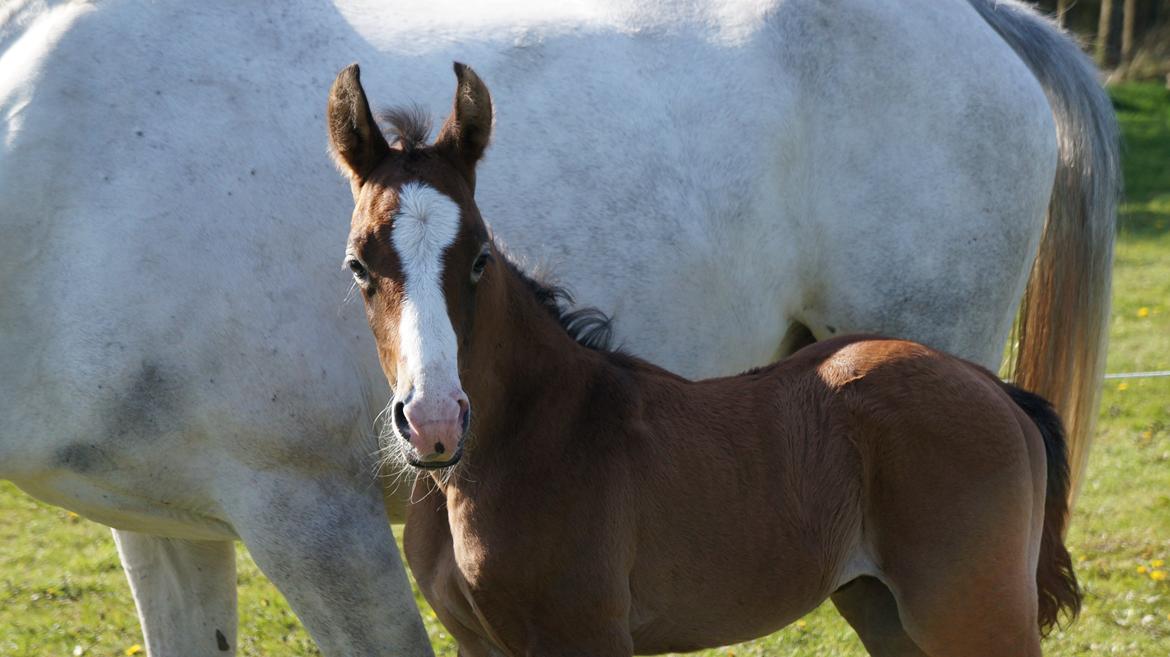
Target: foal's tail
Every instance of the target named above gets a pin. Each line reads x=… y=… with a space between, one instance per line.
x=1061 y=328
x=1055 y=579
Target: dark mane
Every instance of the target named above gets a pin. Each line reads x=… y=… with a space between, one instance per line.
x=589 y=326
x=409 y=126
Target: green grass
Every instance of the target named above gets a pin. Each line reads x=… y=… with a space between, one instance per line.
x=61 y=586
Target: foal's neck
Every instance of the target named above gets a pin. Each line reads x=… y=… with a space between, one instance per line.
x=521 y=363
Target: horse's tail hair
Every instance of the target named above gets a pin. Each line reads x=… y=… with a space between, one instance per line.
x=1056 y=582
x=1061 y=328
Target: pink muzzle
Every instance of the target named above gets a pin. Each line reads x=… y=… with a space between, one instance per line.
x=434 y=426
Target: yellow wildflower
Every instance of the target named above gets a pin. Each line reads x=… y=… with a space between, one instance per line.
x=1142 y=570
x=1157 y=563
x=1143 y=312
x=1158 y=575
x=801 y=624
x=133 y=650
x=1122 y=386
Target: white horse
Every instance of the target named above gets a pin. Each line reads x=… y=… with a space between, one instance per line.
x=177 y=362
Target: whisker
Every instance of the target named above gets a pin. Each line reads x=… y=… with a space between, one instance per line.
x=398 y=478
x=381 y=414
x=424 y=497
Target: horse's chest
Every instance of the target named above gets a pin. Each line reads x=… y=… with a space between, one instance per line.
x=452 y=591
x=452 y=599
x=448 y=568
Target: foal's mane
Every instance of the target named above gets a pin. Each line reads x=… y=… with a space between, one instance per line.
x=589 y=326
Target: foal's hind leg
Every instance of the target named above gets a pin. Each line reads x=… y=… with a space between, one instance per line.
x=871 y=610
x=949 y=618
x=957 y=540
x=185 y=592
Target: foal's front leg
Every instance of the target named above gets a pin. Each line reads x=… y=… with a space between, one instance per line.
x=566 y=618
x=586 y=618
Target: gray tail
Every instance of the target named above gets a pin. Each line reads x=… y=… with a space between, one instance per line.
x=1061 y=329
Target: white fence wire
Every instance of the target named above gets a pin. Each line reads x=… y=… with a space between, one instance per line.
x=1138 y=375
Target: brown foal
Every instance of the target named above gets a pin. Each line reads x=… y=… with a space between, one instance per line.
x=584 y=502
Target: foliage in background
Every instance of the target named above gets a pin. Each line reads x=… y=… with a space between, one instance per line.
x=1130 y=36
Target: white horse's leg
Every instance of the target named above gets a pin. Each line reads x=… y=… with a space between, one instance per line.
x=185 y=592
x=326 y=544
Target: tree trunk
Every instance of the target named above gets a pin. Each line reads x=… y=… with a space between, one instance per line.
x=1109 y=34
x=1129 y=16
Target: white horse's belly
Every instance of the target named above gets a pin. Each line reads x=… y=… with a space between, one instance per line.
x=127 y=508
x=931 y=165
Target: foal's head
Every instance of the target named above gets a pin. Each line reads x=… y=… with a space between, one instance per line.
x=420 y=253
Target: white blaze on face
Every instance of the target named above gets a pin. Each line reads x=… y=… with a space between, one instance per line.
x=425 y=225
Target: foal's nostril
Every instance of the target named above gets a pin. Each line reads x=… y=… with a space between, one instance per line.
x=400 y=422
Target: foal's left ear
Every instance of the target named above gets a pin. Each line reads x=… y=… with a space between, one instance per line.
x=465 y=134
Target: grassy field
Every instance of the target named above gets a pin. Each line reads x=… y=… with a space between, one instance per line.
x=62 y=591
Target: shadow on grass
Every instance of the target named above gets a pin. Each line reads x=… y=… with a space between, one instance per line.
x=1143 y=109
x=1145 y=221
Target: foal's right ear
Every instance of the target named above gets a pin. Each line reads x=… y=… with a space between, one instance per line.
x=356 y=143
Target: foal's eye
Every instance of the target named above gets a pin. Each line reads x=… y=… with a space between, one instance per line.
x=480 y=264
x=358 y=270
